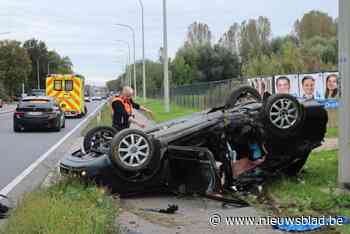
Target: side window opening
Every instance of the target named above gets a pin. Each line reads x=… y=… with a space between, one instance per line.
x=68 y=86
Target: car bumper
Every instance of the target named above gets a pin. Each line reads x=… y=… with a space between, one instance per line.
x=36 y=122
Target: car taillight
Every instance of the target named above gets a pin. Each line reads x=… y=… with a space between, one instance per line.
x=19 y=114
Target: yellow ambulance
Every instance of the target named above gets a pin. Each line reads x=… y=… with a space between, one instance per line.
x=69 y=92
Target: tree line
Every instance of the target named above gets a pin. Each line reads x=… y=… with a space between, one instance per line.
x=21 y=61
x=247 y=49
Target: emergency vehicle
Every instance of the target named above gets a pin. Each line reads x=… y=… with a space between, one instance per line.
x=69 y=92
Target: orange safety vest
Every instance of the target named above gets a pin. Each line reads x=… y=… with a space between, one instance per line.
x=126 y=104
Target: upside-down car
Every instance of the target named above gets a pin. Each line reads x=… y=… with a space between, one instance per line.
x=235 y=146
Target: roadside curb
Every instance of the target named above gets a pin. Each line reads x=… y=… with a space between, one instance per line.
x=6 y=112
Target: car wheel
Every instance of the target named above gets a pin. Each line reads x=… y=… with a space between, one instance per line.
x=64 y=122
x=99 y=139
x=242 y=94
x=283 y=115
x=131 y=150
x=59 y=125
x=16 y=128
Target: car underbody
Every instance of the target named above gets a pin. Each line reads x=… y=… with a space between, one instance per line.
x=235 y=147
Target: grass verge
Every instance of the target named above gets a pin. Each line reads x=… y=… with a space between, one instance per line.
x=157 y=106
x=332 y=133
x=314 y=193
x=67 y=207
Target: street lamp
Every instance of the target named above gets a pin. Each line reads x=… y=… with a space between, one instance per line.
x=165 y=59
x=38 y=70
x=143 y=53
x=133 y=36
x=128 y=45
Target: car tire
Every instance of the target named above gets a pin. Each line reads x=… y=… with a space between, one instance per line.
x=58 y=127
x=16 y=128
x=131 y=150
x=238 y=93
x=64 y=122
x=283 y=115
x=91 y=134
x=85 y=110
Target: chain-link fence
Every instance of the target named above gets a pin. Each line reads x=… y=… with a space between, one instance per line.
x=203 y=95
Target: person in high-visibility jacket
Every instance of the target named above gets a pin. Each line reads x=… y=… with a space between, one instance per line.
x=122 y=108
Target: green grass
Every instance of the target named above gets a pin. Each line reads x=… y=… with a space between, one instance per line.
x=67 y=207
x=314 y=193
x=157 y=107
x=332 y=133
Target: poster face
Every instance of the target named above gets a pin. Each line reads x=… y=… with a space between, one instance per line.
x=331 y=86
x=311 y=86
x=287 y=84
x=262 y=85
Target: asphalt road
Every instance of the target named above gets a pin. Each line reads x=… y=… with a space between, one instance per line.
x=19 y=150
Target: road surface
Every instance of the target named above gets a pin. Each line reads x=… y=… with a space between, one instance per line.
x=19 y=150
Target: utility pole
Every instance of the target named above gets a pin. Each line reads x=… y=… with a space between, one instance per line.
x=143 y=52
x=38 y=71
x=344 y=107
x=165 y=59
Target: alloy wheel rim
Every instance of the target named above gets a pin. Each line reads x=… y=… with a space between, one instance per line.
x=283 y=113
x=133 y=150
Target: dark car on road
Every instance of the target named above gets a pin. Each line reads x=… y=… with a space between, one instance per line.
x=38 y=113
x=235 y=147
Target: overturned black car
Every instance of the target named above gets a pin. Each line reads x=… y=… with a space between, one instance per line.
x=233 y=147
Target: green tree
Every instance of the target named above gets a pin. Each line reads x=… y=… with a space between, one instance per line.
x=315 y=23
x=58 y=64
x=15 y=66
x=182 y=73
x=320 y=53
x=263 y=65
x=255 y=36
x=198 y=34
x=38 y=53
x=291 y=58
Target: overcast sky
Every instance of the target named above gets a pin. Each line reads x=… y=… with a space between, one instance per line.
x=84 y=31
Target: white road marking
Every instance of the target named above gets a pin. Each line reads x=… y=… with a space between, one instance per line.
x=5 y=191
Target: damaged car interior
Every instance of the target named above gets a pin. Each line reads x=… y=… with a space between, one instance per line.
x=236 y=147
